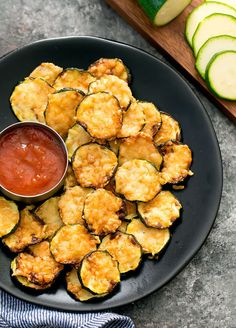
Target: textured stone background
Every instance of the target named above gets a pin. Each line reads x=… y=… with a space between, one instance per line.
x=204 y=293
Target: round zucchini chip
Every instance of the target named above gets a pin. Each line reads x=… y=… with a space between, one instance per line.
x=169 y=130
x=71 y=243
x=152 y=118
x=71 y=204
x=70 y=179
x=29 y=99
x=142 y=147
x=74 y=78
x=137 y=180
x=47 y=71
x=115 y=86
x=160 y=212
x=103 y=212
x=100 y=114
x=60 y=113
x=94 y=165
x=125 y=249
x=99 y=272
x=9 y=216
x=176 y=162
x=110 y=66
x=152 y=240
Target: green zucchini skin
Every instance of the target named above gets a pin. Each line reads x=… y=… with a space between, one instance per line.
x=151 y=7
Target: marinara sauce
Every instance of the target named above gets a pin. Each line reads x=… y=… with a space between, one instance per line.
x=31 y=161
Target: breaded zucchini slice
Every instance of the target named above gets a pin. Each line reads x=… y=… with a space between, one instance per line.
x=125 y=249
x=103 y=212
x=71 y=243
x=133 y=120
x=37 y=265
x=47 y=71
x=30 y=230
x=94 y=165
x=74 y=78
x=70 y=179
x=99 y=272
x=71 y=204
x=169 y=130
x=140 y=146
x=152 y=240
x=115 y=86
x=131 y=210
x=9 y=216
x=100 y=114
x=115 y=145
x=177 y=159
x=29 y=99
x=137 y=180
x=48 y=212
x=152 y=118
x=110 y=66
x=60 y=113
x=160 y=212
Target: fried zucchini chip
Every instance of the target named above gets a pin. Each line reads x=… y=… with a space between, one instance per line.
x=99 y=272
x=125 y=249
x=169 y=130
x=71 y=243
x=94 y=165
x=160 y=212
x=152 y=240
x=100 y=114
x=103 y=212
x=115 y=86
x=74 y=78
x=152 y=118
x=9 y=216
x=71 y=204
x=47 y=71
x=70 y=179
x=137 y=180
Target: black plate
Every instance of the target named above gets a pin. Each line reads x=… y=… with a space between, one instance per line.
x=153 y=81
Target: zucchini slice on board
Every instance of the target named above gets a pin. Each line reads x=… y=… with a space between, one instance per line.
x=74 y=78
x=212 y=47
x=9 y=216
x=152 y=118
x=152 y=240
x=100 y=114
x=110 y=66
x=137 y=180
x=103 y=212
x=160 y=212
x=60 y=113
x=99 y=272
x=176 y=162
x=70 y=179
x=115 y=86
x=71 y=204
x=29 y=99
x=47 y=71
x=213 y=25
x=221 y=75
x=231 y=3
x=125 y=249
x=71 y=243
x=202 y=11
x=140 y=146
x=161 y=12
x=94 y=165
x=169 y=130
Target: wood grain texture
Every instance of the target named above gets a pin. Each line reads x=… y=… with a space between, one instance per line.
x=170 y=40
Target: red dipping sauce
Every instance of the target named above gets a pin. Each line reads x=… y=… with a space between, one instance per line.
x=32 y=160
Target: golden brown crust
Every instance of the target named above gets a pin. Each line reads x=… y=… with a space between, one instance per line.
x=152 y=118
x=9 y=216
x=169 y=130
x=47 y=71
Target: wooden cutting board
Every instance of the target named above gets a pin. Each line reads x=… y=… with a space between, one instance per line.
x=170 y=40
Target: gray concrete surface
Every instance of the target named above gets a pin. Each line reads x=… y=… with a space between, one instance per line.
x=204 y=293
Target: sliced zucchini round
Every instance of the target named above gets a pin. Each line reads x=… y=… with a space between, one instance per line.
x=231 y=3
x=160 y=212
x=169 y=130
x=152 y=240
x=9 y=216
x=152 y=118
x=71 y=243
x=100 y=114
x=99 y=272
x=125 y=249
x=47 y=71
x=103 y=212
x=70 y=179
x=94 y=165
x=137 y=180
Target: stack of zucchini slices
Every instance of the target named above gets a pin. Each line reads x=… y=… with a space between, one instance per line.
x=115 y=206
